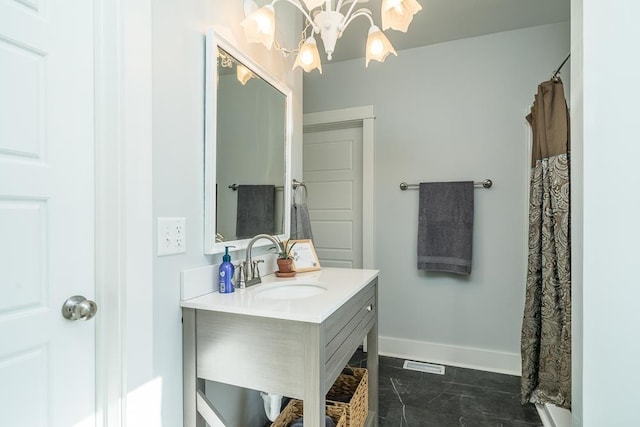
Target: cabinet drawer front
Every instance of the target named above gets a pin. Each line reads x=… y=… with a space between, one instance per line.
x=349 y=325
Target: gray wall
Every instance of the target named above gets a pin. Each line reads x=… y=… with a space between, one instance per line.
x=452 y=111
x=178 y=122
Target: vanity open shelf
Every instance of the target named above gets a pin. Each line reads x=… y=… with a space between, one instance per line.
x=295 y=348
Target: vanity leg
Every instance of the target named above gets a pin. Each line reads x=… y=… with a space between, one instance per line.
x=372 y=367
x=314 y=410
x=190 y=383
x=314 y=405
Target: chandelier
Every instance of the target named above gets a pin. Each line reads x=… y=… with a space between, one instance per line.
x=329 y=19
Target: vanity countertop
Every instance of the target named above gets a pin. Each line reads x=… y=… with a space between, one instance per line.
x=341 y=284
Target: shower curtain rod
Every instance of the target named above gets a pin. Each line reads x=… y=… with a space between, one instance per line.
x=555 y=73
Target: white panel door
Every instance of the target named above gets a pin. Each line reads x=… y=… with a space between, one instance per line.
x=47 y=363
x=332 y=167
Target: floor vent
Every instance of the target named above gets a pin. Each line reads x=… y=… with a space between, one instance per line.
x=424 y=367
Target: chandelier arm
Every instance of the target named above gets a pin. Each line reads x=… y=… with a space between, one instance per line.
x=342 y=3
x=297 y=4
x=348 y=14
x=303 y=37
x=357 y=13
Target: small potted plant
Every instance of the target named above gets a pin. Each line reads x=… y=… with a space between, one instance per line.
x=285 y=259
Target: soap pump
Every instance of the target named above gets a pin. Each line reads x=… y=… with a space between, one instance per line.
x=225 y=273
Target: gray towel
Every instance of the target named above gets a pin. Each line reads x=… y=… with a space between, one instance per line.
x=256 y=210
x=300 y=222
x=445 y=227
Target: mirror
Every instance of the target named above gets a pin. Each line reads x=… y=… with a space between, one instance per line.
x=247 y=150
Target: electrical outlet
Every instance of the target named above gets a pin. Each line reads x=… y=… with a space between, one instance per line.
x=180 y=235
x=172 y=236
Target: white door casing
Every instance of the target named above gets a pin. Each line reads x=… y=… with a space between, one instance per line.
x=47 y=363
x=358 y=117
x=332 y=171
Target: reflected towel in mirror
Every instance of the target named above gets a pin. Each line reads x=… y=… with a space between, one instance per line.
x=256 y=210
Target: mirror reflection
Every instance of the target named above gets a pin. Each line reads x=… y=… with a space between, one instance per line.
x=250 y=153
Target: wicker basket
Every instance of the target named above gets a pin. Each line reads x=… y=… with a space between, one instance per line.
x=294 y=410
x=356 y=386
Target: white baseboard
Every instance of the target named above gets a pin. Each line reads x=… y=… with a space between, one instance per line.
x=552 y=416
x=464 y=357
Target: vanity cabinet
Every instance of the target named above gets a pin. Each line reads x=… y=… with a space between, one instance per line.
x=299 y=359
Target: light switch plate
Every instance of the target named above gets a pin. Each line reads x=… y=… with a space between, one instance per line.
x=172 y=236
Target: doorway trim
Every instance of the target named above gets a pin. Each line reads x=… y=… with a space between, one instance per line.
x=123 y=203
x=358 y=116
x=109 y=289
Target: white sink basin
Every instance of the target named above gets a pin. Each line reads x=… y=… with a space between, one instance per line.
x=286 y=291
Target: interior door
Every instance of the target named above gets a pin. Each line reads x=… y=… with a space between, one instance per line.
x=332 y=168
x=47 y=363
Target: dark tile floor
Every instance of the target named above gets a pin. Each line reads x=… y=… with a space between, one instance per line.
x=461 y=397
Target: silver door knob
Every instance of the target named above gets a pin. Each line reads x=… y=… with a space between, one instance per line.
x=79 y=308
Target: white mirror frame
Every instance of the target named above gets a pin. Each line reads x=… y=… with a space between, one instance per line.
x=213 y=41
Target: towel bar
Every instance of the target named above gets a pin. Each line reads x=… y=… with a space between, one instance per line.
x=295 y=185
x=487 y=183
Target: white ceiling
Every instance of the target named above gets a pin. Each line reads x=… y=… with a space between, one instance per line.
x=446 y=20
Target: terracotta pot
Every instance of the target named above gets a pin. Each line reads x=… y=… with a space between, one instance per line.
x=285 y=265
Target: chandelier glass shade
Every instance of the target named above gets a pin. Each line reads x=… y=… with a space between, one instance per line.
x=330 y=18
x=397 y=14
x=308 y=57
x=378 y=46
x=260 y=26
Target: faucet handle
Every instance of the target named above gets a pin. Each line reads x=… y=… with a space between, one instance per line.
x=255 y=270
x=241 y=270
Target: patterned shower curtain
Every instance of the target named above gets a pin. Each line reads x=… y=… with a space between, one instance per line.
x=546 y=326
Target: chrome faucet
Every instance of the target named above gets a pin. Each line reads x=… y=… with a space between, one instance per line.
x=251 y=266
